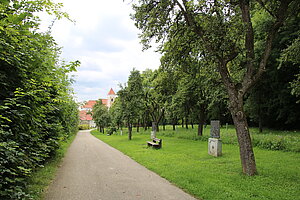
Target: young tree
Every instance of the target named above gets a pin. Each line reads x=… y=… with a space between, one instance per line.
x=225 y=33
x=101 y=115
x=116 y=114
x=131 y=99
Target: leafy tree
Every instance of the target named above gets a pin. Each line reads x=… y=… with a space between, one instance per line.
x=116 y=114
x=291 y=54
x=101 y=115
x=225 y=33
x=157 y=91
x=131 y=99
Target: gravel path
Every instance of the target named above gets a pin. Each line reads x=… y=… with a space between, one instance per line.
x=92 y=170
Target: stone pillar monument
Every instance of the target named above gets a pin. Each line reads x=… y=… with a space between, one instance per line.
x=214 y=142
x=153 y=132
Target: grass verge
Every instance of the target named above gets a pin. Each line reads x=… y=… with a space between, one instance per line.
x=187 y=164
x=42 y=177
x=269 y=139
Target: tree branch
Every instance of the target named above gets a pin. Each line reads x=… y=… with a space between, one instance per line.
x=280 y=17
x=264 y=7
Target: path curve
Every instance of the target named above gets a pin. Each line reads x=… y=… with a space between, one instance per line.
x=93 y=170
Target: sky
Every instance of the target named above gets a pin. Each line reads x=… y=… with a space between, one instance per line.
x=105 y=40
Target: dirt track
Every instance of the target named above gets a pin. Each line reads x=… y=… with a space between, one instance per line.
x=92 y=170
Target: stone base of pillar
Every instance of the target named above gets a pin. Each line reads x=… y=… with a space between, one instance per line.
x=214 y=147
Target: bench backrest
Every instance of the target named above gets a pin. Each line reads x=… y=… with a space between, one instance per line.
x=157 y=140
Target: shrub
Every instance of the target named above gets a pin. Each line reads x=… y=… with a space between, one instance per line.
x=83 y=127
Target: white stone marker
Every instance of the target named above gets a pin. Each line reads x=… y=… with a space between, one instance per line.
x=214 y=142
x=214 y=147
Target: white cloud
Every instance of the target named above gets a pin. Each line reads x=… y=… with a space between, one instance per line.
x=106 y=42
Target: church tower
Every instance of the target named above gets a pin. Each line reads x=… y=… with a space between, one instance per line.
x=111 y=96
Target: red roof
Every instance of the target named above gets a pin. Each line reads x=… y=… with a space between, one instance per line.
x=84 y=116
x=111 y=92
x=104 y=101
x=89 y=104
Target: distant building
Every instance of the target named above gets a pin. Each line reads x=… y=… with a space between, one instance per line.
x=87 y=108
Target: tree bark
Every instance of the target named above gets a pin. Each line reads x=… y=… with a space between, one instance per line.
x=129 y=131
x=200 y=129
x=243 y=134
x=201 y=121
x=138 y=126
x=186 y=123
x=164 y=123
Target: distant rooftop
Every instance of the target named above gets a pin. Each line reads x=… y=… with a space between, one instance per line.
x=111 y=92
x=89 y=104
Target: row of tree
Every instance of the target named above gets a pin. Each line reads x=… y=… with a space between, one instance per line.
x=217 y=54
x=235 y=38
x=37 y=110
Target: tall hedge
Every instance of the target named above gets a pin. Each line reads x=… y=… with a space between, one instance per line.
x=37 y=110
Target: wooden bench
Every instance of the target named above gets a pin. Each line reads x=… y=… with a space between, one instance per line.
x=156 y=143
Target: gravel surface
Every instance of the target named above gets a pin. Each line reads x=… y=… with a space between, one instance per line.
x=92 y=169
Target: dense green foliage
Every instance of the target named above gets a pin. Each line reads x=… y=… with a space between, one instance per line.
x=36 y=105
x=206 y=177
x=273 y=102
x=42 y=177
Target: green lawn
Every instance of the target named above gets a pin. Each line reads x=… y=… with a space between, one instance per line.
x=269 y=139
x=187 y=164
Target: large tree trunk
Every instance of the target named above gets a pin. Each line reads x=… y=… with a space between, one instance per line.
x=243 y=134
x=138 y=126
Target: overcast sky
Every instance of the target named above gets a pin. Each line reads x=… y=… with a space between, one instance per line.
x=105 y=41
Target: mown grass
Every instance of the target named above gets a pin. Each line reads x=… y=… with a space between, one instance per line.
x=42 y=177
x=187 y=164
x=269 y=139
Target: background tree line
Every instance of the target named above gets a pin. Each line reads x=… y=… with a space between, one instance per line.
x=37 y=109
